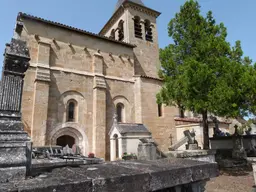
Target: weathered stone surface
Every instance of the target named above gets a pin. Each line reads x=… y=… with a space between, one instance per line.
x=12 y=173
x=147 y=151
x=127 y=176
x=199 y=155
x=15 y=145
x=238 y=149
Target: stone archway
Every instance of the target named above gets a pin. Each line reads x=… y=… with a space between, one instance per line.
x=65 y=140
x=72 y=130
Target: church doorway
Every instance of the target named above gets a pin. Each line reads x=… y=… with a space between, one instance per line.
x=66 y=140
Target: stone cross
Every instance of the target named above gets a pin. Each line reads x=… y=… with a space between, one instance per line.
x=171 y=138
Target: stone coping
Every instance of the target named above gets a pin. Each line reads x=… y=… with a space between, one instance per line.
x=231 y=137
x=57 y=162
x=251 y=159
x=190 y=153
x=125 y=176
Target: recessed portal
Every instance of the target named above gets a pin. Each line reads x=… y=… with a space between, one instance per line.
x=65 y=140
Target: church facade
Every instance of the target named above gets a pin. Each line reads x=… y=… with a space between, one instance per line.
x=78 y=80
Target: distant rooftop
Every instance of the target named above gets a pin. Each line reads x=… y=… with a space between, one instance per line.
x=131 y=128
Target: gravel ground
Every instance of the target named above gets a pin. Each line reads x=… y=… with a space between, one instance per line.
x=232 y=181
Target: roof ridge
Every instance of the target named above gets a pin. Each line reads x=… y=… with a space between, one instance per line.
x=29 y=16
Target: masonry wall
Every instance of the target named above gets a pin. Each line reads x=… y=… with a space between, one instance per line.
x=69 y=52
x=119 y=92
x=27 y=99
x=146 y=53
x=69 y=73
x=162 y=128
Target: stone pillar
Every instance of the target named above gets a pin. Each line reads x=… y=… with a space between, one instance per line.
x=112 y=149
x=15 y=144
x=138 y=100
x=99 y=108
x=121 y=147
x=252 y=160
x=41 y=95
x=238 y=151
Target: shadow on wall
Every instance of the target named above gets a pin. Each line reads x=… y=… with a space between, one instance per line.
x=26 y=127
x=110 y=113
x=138 y=70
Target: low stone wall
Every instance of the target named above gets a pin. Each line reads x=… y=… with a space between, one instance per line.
x=227 y=143
x=126 y=176
x=198 y=155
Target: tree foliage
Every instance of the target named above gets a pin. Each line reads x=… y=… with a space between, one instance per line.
x=201 y=71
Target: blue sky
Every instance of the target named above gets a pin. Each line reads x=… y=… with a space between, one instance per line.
x=238 y=16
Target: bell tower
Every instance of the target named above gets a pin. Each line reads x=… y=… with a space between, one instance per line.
x=134 y=23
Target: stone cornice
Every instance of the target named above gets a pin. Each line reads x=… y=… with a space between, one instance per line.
x=112 y=20
x=23 y=16
x=141 y=8
x=121 y=9
x=77 y=72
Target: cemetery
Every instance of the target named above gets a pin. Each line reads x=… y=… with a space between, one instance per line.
x=45 y=171
x=68 y=130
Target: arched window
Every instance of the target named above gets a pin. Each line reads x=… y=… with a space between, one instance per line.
x=113 y=34
x=137 y=27
x=120 y=112
x=148 y=31
x=71 y=111
x=121 y=30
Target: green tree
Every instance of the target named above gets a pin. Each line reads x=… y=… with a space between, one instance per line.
x=201 y=72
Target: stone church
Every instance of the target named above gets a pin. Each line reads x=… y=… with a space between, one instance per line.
x=78 y=80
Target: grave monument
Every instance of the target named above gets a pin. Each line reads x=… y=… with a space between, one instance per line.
x=15 y=144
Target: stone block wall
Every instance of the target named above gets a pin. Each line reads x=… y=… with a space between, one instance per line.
x=161 y=127
x=97 y=74
x=147 y=52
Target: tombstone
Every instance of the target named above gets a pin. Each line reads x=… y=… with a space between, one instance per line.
x=76 y=150
x=238 y=148
x=65 y=150
x=192 y=142
x=147 y=149
x=15 y=144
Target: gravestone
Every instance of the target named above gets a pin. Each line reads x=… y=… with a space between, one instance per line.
x=15 y=144
x=147 y=149
x=192 y=142
x=67 y=151
x=238 y=148
x=76 y=150
x=189 y=138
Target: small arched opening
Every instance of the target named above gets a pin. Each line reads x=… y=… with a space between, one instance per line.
x=120 y=112
x=121 y=30
x=65 y=140
x=113 y=34
x=148 y=31
x=137 y=27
